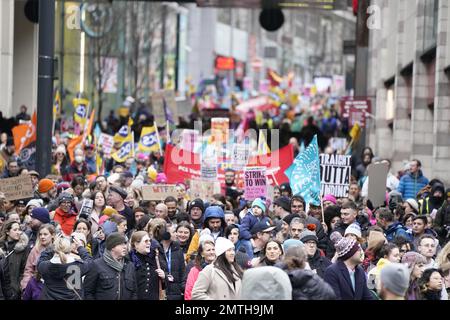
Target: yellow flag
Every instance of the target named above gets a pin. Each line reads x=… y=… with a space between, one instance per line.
x=125 y=151
x=263 y=147
x=57 y=105
x=355 y=133
x=81 y=109
x=149 y=140
x=124 y=132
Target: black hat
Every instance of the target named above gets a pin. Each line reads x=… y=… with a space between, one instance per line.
x=291 y=217
x=286 y=187
x=21 y=202
x=119 y=190
x=283 y=202
x=65 y=196
x=262 y=226
x=114 y=239
x=127 y=174
x=197 y=203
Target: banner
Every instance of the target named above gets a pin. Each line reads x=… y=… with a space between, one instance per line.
x=158 y=108
x=182 y=165
x=106 y=142
x=190 y=140
x=28 y=156
x=304 y=174
x=15 y=188
x=149 y=140
x=335 y=174
x=158 y=192
x=24 y=134
x=203 y=189
x=255 y=183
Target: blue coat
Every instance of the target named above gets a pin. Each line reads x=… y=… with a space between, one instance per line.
x=338 y=278
x=409 y=185
x=397 y=230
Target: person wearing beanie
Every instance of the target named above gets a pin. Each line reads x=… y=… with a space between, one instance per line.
x=116 y=199
x=317 y=261
x=65 y=215
x=416 y=265
x=286 y=190
x=220 y=280
x=282 y=207
x=411 y=206
x=354 y=231
x=346 y=276
x=292 y=243
x=111 y=277
x=46 y=191
x=266 y=283
x=253 y=215
x=328 y=200
x=434 y=201
x=39 y=216
x=196 y=209
x=394 y=281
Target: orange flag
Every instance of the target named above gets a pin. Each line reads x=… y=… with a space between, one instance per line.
x=72 y=145
x=24 y=134
x=90 y=124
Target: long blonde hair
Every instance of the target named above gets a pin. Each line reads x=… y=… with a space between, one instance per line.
x=443 y=255
x=62 y=248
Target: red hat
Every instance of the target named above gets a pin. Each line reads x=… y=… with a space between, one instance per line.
x=45 y=185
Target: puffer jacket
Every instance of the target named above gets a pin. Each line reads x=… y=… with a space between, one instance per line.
x=306 y=285
x=411 y=184
x=397 y=230
x=16 y=254
x=104 y=283
x=441 y=223
x=66 y=220
x=58 y=276
x=319 y=263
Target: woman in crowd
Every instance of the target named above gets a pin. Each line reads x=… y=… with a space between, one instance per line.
x=220 y=280
x=99 y=205
x=205 y=256
x=60 y=161
x=149 y=278
x=184 y=233
x=83 y=226
x=13 y=248
x=416 y=265
x=271 y=254
x=431 y=284
x=46 y=236
x=55 y=265
x=232 y=232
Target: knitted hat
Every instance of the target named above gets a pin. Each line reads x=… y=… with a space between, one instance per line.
x=34 y=202
x=109 y=211
x=283 y=202
x=222 y=245
x=114 y=178
x=285 y=187
x=45 y=185
x=259 y=203
x=395 y=278
x=345 y=247
x=114 y=239
x=65 y=196
x=355 y=229
x=307 y=235
x=61 y=149
x=413 y=203
x=411 y=258
x=40 y=214
x=205 y=235
x=242 y=259
x=197 y=203
x=329 y=197
x=152 y=173
x=119 y=190
x=291 y=243
x=109 y=227
x=102 y=219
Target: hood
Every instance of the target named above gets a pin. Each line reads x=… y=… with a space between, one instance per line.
x=266 y=283
x=213 y=212
x=437 y=200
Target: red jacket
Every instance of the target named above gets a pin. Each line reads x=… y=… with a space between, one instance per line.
x=66 y=220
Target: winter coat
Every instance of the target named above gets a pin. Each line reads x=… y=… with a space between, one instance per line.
x=247 y=223
x=16 y=255
x=175 y=288
x=190 y=282
x=321 y=235
x=319 y=263
x=147 y=280
x=441 y=223
x=66 y=220
x=410 y=184
x=306 y=285
x=396 y=230
x=33 y=290
x=338 y=278
x=6 y=292
x=30 y=266
x=105 y=283
x=430 y=203
x=57 y=275
x=212 y=284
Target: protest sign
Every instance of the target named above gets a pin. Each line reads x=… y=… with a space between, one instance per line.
x=220 y=134
x=86 y=207
x=158 y=108
x=158 y=192
x=255 y=183
x=203 y=189
x=377 y=183
x=240 y=155
x=15 y=188
x=335 y=174
x=338 y=144
x=106 y=142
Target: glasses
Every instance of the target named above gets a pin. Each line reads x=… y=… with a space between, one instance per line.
x=403 y=250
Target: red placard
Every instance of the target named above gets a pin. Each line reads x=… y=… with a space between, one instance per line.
x=355 y=110
x=224 y=63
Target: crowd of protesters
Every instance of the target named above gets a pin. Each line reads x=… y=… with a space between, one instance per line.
x=224 y=247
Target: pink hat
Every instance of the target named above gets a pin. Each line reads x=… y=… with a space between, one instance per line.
x=161 y=178
x=102 y=219
x=329 y=197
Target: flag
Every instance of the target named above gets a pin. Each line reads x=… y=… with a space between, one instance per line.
x=89 y=125
x=304 y=174
x=263 y=147
x=73 y=143
x=168 y=132
x=125 y=151
x=81 y=109
x=302 y=147
x=149 y=140
x=124 y=132
x=24 y=134
x=355 y=133
x=57 y=105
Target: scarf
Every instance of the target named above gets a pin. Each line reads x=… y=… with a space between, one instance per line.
x=113 y=263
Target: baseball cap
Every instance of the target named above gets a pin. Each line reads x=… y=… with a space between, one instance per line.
x=262 y=226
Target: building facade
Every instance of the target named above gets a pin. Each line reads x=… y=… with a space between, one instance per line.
x=409 y=84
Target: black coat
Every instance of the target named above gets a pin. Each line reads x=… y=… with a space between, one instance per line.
x=306 y=285
x=104 y=283
x=58 y=276
x=6 y=292
x=319 y=263
x=175 y=288
x=147 y=279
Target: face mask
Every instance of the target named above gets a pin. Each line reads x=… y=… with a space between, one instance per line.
x=79 y=159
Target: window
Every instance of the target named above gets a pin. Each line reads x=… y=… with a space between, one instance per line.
x=431 y=8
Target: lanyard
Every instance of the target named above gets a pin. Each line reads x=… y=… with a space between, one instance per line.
x=169 y=259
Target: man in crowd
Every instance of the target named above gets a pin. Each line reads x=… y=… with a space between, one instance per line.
x=296 y=228
x=39 y=216
x=412 y=182
x=161 y=212
x=392 y=229
x=394 y=281
x=427 y=248
x=261 y=233
x=172 y=209
x=116 y=199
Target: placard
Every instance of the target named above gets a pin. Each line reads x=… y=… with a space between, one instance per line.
x=335 y=175
x=240 y=156
x=158 y=108
x=255 y=183
x=377 y=183
x=15 y=188
x=106 y=142
x=86 y=207
x=203 y=189
x=158 y=192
